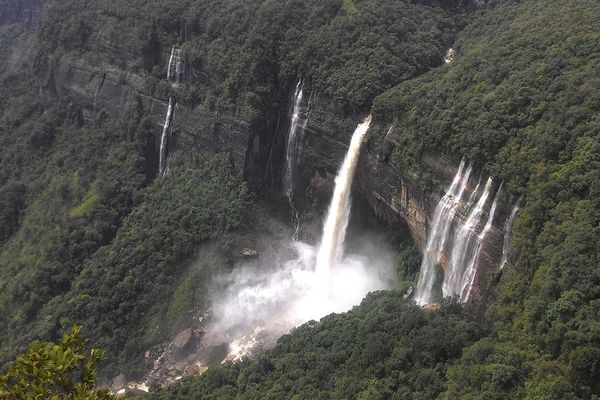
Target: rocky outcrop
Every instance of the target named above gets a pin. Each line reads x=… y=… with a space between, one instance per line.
x=111 y=91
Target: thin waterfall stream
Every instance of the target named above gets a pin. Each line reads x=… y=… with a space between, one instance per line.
x=165 y=137
x=298 y=121
x=508 y=227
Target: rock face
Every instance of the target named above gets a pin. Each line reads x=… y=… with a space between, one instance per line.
x=112 y=92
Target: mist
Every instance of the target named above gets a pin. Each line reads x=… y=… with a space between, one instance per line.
x=256 y=304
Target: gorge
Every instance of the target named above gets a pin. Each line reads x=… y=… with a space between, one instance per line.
x=444 y=248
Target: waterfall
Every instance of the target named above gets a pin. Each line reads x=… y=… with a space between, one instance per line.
x=457 y=233
x=171 y=64
x=175 y=66
x=475 y=191
x=449 y=57
x=440 y=227
x=464 y=246
x=292 y=151
x=336 y=222
x=508 y=233
x=471 y=269
x=297 y=125
x=164 y=139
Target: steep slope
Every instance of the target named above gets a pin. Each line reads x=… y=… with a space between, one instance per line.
x=387 y=348
x=520 y=101
x=89 y=234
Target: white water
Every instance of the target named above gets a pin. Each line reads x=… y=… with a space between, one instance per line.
x=474 y=192
x=440 y=227
x=171 y=64
x=298 y=121
x=297 y=126
x=334 y=230
x=449 y=56
x=164 y=139
x=508 y=233
x=471 y=270
x=457 y=236
x=318 y=281
x=175 y=66
x=464 y=247
x=273 y=302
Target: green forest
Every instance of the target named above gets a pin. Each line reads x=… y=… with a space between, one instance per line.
x=102 y=258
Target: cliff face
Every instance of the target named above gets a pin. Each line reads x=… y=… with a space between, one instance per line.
x=109 y=91
x=391 y=192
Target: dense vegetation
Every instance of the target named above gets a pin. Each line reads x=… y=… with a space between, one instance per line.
x=64 y=371
x=242 y=56
x=90 y=236
x=522 y=102
x=386 y=348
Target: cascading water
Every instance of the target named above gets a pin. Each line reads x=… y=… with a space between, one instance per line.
x=175 y=66
x=464 y=246
x=334 y=230
x=298 y=123
x=474 y=192
x=456 y=239
x=508 y=233
x=442 y=221
x=317 y=282
x=471 y=270
x=164 y=139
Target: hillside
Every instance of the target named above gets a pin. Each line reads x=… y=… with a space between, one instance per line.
x=94 y=233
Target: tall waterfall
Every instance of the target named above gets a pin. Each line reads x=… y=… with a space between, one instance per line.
x=459 y=229
x=508 y=233
x=465 y=244
x=164 y=139
x=471 y=266
x=334 y=230
x=298 y=122
x=442 y=221
x=175 y=66
x=297 y=126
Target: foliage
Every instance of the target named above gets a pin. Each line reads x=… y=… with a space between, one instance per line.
x=238 y=54
x=55 y=371
x=90 y=236
x=179 y=211
x=385 y=348
x=521 y=102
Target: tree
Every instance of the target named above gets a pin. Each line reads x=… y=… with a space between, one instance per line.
x=55 y=371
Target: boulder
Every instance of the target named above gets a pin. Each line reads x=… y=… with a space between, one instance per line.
x=182 y=338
